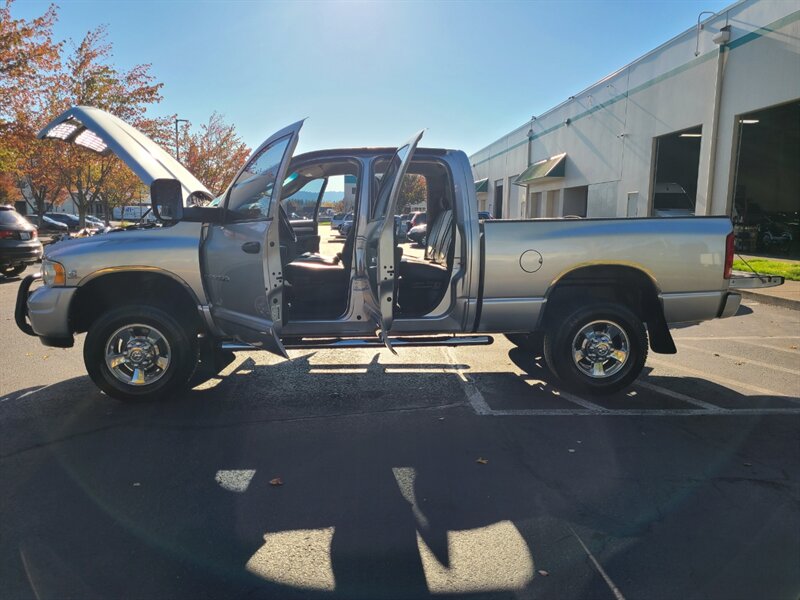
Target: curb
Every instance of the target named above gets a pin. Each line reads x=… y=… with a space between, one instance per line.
x=789 y=303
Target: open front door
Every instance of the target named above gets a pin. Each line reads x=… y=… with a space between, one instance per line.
x=242 y=257
x=380 y=254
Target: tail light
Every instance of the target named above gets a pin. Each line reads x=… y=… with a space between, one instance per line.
x=7 y=235
x=728 y=256
x=34 y=234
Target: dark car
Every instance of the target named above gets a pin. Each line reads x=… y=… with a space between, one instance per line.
x=48 y=226
x=418 y=234
x=485 y=215
x=19 y=242
x=73 y=221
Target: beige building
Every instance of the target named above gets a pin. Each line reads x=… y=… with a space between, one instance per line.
x=708 y=123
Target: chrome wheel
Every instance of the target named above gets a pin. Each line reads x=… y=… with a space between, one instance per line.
x=137 y=354
x=600 y=349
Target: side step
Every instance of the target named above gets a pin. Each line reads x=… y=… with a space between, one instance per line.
x=402 y=342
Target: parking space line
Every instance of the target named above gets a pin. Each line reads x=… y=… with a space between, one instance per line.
x=737 y=337
x=642 y=412
x=768 y=347
x=724 y=381
x=611 y=585
x=747 y=360
x=581 y=402
x=473 y=394
x=677 y=395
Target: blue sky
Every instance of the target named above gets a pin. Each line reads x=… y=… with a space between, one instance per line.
x=373 y=73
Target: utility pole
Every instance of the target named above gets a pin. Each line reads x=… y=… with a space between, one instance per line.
x=177 y=152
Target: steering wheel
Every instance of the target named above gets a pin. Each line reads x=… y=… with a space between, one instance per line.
x=285 y=228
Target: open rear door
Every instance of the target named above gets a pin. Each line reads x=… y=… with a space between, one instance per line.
x=381 y=258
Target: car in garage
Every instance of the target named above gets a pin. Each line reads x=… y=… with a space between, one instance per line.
x=19 y=243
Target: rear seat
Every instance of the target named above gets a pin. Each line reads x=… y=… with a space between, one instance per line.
x=422 y=281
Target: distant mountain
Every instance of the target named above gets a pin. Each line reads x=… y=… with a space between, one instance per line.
x=304 y=197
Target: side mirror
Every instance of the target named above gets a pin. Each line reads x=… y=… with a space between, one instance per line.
x=166 y=198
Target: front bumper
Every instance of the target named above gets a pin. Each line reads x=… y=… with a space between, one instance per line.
x=47 y=310
x=20 y=254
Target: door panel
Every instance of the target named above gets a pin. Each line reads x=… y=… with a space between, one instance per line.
x=380 y=247
x=241 y=256
x=307 y=235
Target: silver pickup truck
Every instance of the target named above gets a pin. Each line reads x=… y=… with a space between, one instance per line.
x=165 y=307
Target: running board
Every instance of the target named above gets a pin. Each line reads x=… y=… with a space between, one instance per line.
x=401 y=342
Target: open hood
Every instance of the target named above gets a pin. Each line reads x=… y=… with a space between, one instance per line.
x=102 y=132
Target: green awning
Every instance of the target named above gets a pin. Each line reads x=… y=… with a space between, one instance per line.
x=555 y=166
x=482 y=185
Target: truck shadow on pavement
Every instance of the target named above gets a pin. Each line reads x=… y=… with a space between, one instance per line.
x=371 y=480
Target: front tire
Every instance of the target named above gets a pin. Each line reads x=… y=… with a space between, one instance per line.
x=140 y=354
x=599 y=349
x=14 y=271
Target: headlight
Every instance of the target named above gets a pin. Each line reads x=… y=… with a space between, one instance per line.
x=53 y=273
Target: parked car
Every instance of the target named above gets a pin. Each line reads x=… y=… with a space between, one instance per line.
x=339 y=219
x=73 y=222
x=418 y=234
x=346 y=227
x=48 y=226
x=417 y=218
x=91 y=220
x=484 y=215
x=19 y=243
x=162 y=309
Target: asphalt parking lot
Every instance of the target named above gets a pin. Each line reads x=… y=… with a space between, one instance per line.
x=437 y=472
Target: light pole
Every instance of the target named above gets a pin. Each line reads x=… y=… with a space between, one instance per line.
x=177 y=152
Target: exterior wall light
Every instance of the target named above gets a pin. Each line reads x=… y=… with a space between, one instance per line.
x=723 y=36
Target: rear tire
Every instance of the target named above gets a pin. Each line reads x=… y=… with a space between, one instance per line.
x=599 y=349
x=145 y=345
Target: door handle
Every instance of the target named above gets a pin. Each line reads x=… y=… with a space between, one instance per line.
x=252 y=247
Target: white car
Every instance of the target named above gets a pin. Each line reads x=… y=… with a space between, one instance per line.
x=338 y=219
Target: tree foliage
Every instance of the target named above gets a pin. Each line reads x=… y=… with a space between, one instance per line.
x=41 y=77
x=29 y=60
x=214 y=154
x=414 y=191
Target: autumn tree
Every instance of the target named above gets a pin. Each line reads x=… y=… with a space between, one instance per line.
x=29 y=60
x=214 y=154
x=414 y=191
x=90 y=79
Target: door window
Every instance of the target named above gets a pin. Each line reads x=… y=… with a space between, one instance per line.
x=251 y=194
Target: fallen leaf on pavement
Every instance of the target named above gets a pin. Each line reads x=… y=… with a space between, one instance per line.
x=793 y=347
x=482 y=461
x=276 y=481
x=543 y=573
x=715 y=354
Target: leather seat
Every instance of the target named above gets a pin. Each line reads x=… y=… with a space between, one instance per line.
x=423 y=282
